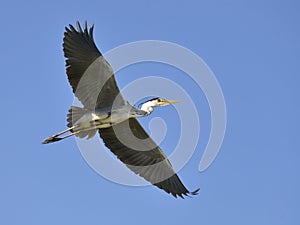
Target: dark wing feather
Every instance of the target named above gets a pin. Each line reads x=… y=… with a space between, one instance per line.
x=89 y=74
x=133 y=146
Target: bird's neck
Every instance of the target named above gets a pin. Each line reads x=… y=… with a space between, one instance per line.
x=147 y=107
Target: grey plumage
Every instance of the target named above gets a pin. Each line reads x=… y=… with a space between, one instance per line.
x=93 y=83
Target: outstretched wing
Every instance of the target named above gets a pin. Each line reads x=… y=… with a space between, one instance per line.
x=89 y=74
x=133 y=146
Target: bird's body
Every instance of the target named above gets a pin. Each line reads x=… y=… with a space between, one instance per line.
x=104 y=118
x=106 y=111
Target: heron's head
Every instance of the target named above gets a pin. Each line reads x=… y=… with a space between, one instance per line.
x=155 y=102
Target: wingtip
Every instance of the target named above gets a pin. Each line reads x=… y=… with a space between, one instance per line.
x=195 y=192
x=85 y=27
x=78 y=27
x=187 y=194
x=86 y=30
x=71 y=28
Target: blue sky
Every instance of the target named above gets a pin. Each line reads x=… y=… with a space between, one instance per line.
x=253 y=49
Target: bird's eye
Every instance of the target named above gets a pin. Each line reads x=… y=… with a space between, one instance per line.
x=159 y=100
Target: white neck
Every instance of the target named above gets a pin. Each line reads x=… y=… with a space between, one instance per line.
x=147 y=107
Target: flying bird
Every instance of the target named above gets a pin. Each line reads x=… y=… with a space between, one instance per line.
x=106 y=111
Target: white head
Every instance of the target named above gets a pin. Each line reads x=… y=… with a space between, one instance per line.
x=155 y=102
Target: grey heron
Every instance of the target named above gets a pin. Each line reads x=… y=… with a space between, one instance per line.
x=106 y=111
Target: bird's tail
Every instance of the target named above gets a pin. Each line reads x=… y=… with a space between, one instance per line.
x=75 y=113
x=75 y=127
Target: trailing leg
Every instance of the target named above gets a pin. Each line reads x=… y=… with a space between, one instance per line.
x=55 y=137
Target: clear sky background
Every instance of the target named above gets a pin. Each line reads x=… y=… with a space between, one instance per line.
x=252 y=47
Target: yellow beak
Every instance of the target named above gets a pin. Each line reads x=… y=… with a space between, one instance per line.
x=167 y=102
